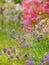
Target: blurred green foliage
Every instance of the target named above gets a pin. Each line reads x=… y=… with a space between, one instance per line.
x=18 y=1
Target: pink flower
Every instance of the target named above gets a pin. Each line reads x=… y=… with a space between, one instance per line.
x=34 y=8
x=45 y=6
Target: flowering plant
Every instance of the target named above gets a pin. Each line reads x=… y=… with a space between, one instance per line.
x=33 y=10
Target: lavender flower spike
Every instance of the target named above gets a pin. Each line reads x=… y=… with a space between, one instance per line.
x=28 y=62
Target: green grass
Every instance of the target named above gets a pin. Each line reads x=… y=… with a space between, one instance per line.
x=6 y=41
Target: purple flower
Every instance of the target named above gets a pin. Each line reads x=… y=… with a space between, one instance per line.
x=38 y=19
x=11 y=35
x=26 y=45
x=41 y=36
x=46 y=54
x=41 y=59
x=4 y=50
x=19 y=53
x=28 y=62
x=41 y=26
x=23 y=39
x=22 y=24
x=8 y=52
x=34 y=33
x=13 y=31
x=37 y=28
x=31 y=56
x=47 y=62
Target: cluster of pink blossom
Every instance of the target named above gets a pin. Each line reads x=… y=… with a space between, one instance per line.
x=32 y=9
